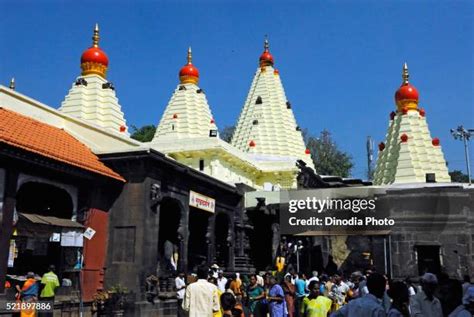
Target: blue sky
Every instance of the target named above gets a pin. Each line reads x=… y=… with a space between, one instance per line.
x=340 y=61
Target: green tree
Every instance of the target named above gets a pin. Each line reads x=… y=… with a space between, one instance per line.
x=458 y=176
x=328 y=159
x=143 y=134
x=227 y=133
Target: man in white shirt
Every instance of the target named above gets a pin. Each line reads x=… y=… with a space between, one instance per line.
x=201 y=298
x=180 y=285
x=221 y=281
x=260 y=280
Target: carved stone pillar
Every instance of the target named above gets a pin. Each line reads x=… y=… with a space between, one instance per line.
x=230 y=246
x=210 y=239
x=183 y=235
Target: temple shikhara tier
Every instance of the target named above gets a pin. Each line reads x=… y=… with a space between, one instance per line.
x=267 y=128
x=78 y=192
x=409 y=152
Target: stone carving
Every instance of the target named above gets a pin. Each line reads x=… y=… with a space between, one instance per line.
x=307 y=178
x=155 y=195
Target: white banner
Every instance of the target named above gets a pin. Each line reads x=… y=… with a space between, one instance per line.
x=202 y=202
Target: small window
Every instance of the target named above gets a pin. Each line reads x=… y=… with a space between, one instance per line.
x=108 y=85
x=182 y=87
x=213 y=133
x=258 y=101
x=288 y=105
x=172 y=127
x=81 y=81
x=255 y=122
x=201 y=165
x=199 y=91
x=298 y=128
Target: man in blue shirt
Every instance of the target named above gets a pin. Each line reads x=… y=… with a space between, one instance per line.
x=300 y=285
x=369 y=305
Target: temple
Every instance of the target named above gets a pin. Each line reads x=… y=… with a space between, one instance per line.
x=188 y=133
x=92 y=97
x=409 y=153
x=139 y=209
x=267 y=128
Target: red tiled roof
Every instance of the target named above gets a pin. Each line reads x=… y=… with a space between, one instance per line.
x=41 y=138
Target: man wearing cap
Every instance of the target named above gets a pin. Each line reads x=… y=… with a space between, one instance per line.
x=214 y=269
x=467 y=307
x=424 y=303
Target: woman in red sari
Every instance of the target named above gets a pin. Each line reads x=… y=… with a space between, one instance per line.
x=289 y=290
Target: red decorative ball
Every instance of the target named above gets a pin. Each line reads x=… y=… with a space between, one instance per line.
x=212 y=121
x=123 y=128
x=405 y=110
x=381 y=146
x=406 y=92
x=404 y=138
x=392 y=115
x=266 y=57
x=276 y=72
x=175 y=116
x=95 y=55
x=307 y=151
x=435 y=142
x=189 y=70
x=252 y=143
x=422 y=112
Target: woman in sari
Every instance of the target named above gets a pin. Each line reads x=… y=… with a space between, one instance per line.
x=28 y=294
x=255 y=293
x=276 y=299
x=289 y=290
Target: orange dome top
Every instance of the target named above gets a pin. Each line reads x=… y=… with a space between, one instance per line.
x=94 y=60
x=266 y=59
x=406 y=92
x=406 y=97
x=189 y=73
x=95 y=55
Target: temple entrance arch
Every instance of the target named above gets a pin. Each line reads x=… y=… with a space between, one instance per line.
x=223 y=239
x=168 y=236
x=45 y=200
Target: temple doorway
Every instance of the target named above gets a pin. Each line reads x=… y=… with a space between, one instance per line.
x=198 y=242
x=45 y=233
x=428 y=259
x=168 y=242
x=221 y=228
x=261 y=241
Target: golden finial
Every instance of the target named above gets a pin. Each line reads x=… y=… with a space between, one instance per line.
x=96 y=37
x=12 y=83
x=190 y=56
x=405 y=74
x=265 y=45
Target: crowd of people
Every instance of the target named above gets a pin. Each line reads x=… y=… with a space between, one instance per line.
x=292 y=294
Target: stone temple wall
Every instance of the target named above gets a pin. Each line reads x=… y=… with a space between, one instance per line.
x=427 y=220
